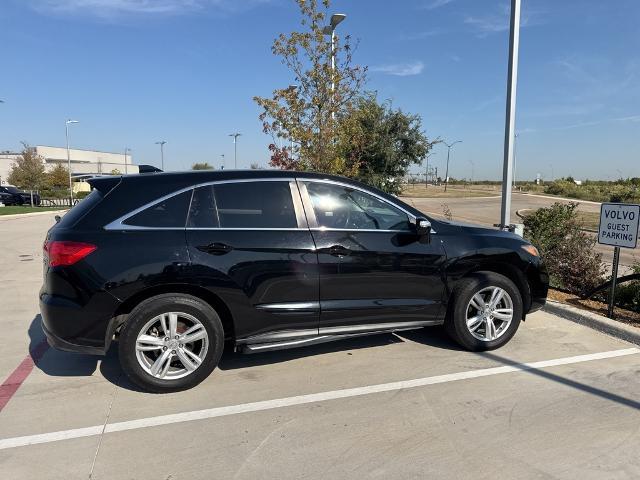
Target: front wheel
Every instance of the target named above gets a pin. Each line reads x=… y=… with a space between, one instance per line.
x=170 y=343
x=486 y=311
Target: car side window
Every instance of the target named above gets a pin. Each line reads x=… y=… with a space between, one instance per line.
x=259 y=204
x=343 y=207
x=203 y=212
x=169 y=213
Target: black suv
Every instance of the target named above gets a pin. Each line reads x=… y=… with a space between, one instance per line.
x=15 y=196
x=175 y=264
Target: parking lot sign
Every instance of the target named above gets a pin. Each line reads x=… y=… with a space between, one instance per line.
x=619 y=228
x=619 y=225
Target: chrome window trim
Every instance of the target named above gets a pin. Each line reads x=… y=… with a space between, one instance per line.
x=118 y=223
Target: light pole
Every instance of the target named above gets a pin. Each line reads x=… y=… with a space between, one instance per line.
x=126 y=150
x=446 y=175
x=330 y=29
x=515 y=158
x=161 y=143
x=66 y=129
x=235 y=148
x=222 y=161
x=426 y=172
x=472 y=167
x=510 y=116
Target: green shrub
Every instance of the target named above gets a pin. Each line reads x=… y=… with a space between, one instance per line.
x=568 y=252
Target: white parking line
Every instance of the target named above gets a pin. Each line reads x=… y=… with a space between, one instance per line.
x=299 y=400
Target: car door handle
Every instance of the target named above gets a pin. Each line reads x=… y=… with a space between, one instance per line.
x=216 y=248
x=338 y=251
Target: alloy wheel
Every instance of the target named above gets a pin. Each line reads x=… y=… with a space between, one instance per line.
x=172 y=345
x=489 y=313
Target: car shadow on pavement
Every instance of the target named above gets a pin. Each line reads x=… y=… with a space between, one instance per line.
x=54 y=362
x=565 y=381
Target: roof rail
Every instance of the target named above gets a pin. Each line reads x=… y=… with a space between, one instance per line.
x=148 y=169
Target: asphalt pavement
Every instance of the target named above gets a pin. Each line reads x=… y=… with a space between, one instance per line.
x=560 y=401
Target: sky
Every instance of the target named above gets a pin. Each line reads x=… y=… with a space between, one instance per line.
x=134 y=72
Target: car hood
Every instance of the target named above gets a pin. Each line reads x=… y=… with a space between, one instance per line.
x=473 y=229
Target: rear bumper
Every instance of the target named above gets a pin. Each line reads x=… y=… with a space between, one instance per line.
x=72 y=327
x=65 y=346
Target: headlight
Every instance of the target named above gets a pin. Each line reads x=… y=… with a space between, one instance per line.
x=530 y=249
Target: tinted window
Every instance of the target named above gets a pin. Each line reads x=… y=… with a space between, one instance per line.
x=343 y=207
x=255 y=205
x=80 y=209
x=202 y=213
x=171 y=213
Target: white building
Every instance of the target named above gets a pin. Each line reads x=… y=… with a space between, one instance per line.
x=84 y=163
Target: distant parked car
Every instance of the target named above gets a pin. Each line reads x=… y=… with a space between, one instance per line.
x=7 y=199
x=20 y=197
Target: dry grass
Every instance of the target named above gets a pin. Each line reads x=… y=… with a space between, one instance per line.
x=622 y=315
x=453 y=191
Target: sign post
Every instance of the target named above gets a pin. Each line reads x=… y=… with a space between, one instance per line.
x=618 y=228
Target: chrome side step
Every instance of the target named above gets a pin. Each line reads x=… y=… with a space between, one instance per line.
x=317 y=339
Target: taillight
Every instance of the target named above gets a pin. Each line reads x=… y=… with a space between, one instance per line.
x=64 y=253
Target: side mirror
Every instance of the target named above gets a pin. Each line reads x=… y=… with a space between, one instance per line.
x=423 y=228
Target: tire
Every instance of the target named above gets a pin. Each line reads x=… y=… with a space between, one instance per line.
x=462 y=310
x=186 y=312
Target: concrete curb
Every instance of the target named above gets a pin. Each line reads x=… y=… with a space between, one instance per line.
x=593 y=320
x=32 y=214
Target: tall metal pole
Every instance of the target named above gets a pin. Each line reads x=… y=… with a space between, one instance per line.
x=161 y=143
x=235 y=148
x=510 y=120
x=446 y=175
x=126 y=149
x=222 y=161
x=66 y=131
x=515 y=160
x=66 y=128
x=614 y=280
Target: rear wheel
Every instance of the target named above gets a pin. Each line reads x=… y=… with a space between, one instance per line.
x=170 y=343
x=486 y=311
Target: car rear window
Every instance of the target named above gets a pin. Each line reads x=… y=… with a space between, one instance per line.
x=168 y=213
x=266 y=204
x=80 y=209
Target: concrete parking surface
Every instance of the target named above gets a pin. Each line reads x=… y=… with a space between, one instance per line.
x=559 y=401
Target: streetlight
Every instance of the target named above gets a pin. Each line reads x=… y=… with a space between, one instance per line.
x=426 y=172
x=235 y=148
x=161 y=143
x=126 y=150
x=472 y=167
x=330 y=29
x=66 y=129
x=222 y=161
x=446 y=175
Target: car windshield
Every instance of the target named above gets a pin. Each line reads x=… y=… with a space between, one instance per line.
x=13 y=190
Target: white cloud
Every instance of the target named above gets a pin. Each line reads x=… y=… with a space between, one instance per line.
x=437 y=4
x=400 y=69
x=117 y=8
x=499 y=22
